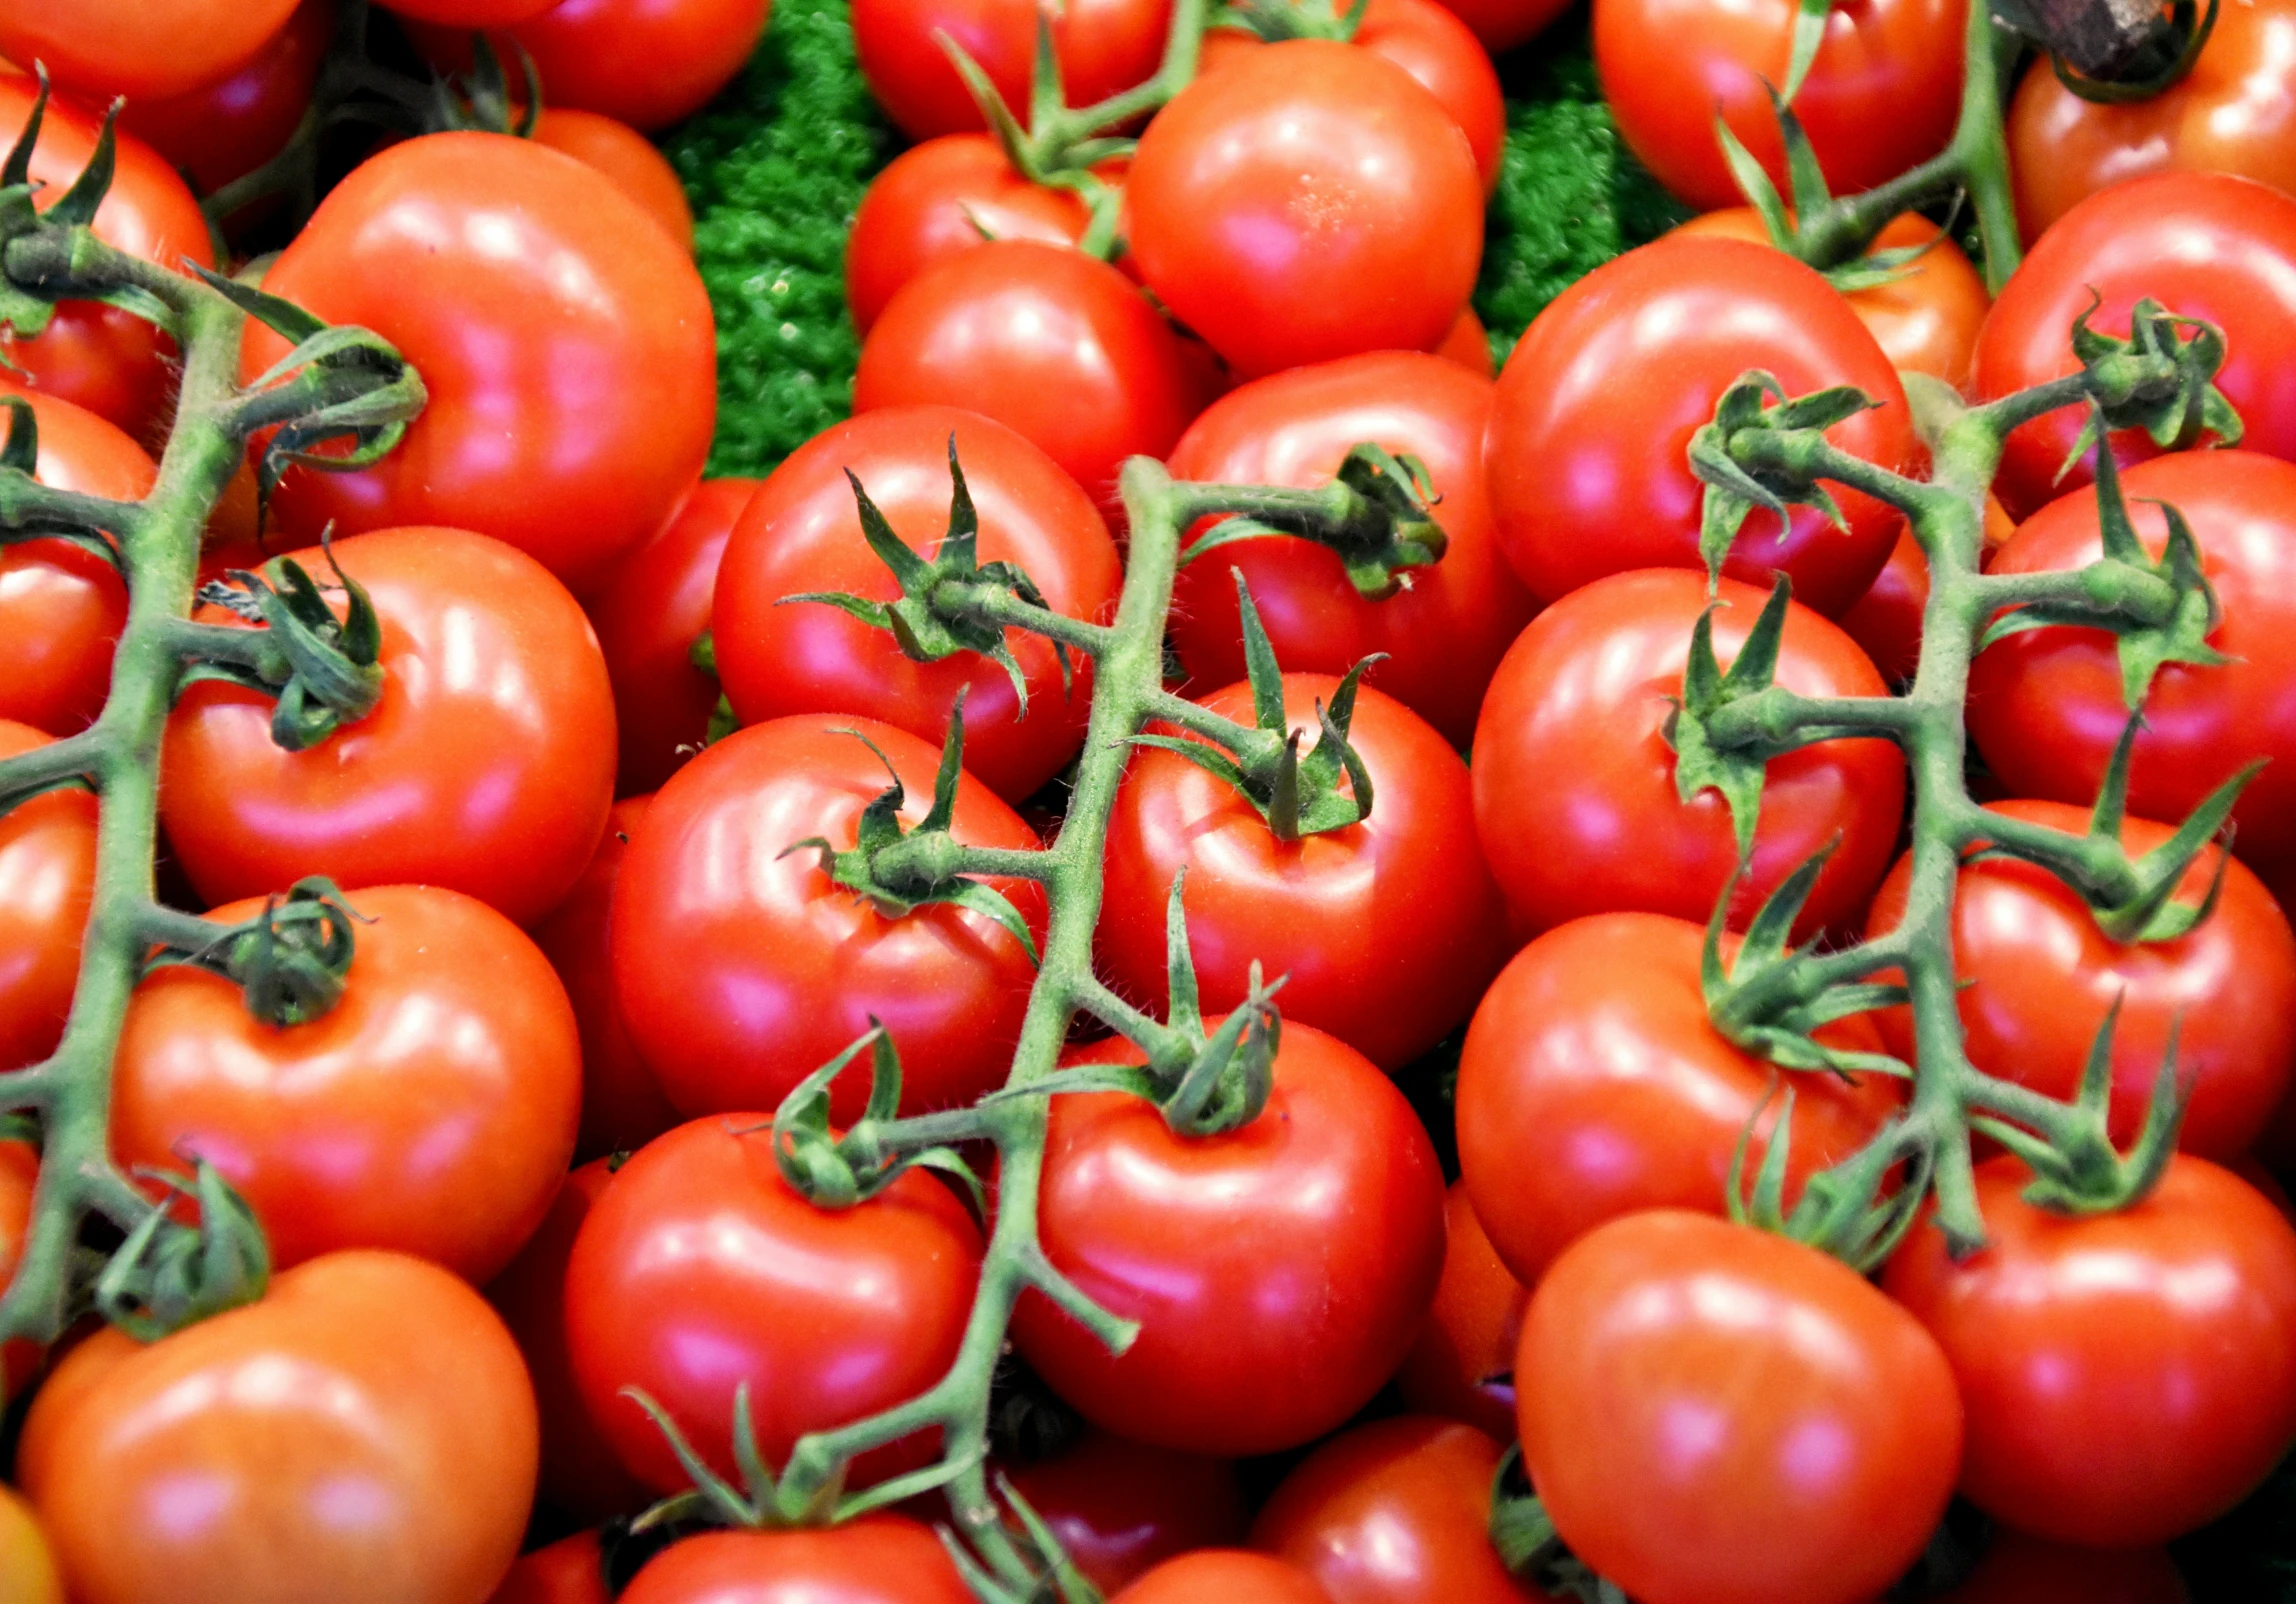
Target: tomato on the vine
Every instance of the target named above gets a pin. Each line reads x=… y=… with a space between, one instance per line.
x=1120 y=1508
x=628 y=158
x=20 y=1358
x=647 y=63
x=1227 y=1575
x=878 y=1559
x=1463 y=1365
x=569 y=1571
x=216 y=132
x=47 y=883
x=97 y=49
x=1104 y=48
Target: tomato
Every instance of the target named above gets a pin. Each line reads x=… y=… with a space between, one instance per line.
x=1057 y=346
x=1588 y=452
x=2203 y=245
x=1104 y=47
x=216 y=132
x=628 y=158
x=100 y=357
x=1574 y=781
x=648 y=63
x=1224 y=1576
x=363 y=1434
x=1308 y=201
x=1278 y=1271
x=879 y=1559
x=27 y=1563
x=47 y=882
x=1712 y=1413
x=1463 y=1365
x=19 y=1359
x=1503 y=24
x=2026 y=1570
x=699 y=1270
x=1469 y=345
x=741 y=967
x=2128 y=1376
x=802 y=533
x=470 y=13
x=567 y=348
x=1880 y=97
x=1387 y=929
x=2038 y=978
x=569 y=1571
x=2233 y=112
x=1446 y=631
x=101 y=48
x=2046 y=706
x=1395 y=1512
x=1120 y=1508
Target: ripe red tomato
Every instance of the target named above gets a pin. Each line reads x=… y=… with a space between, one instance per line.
x=1057 y=346
x=802 y=533
x=1279 y=1271
x=1395 y=1512
x=699 y=1270
x=1503 y=24
x=20 y=1359
x=100 y=48
x=1574 y=781
x=648 y=612
x=567 y=346
x=2203 y=245
x=741 y=967
x=1880 y=97
x=487 y=767
x=1387 y=929
x=1588 y=452
x=1592 y=1085
x=47 y=882
x=1224 y=1576
x=647 y=63
x=1469 y=345
x=569 y=1571
x=2038 y=978
x=2128 y=1376
x=2046 y=706
x=101 y=357
x=1104 y=46
x=1717 y=1414
x=1120 y=1508
x=1446 y=631
x=216 y=132
x=469 y=13
x=363 y=1434
x=1308 y=201
x=879 y=1559
x=637 y=168
x=2027 y=1570
x=1463 y=1365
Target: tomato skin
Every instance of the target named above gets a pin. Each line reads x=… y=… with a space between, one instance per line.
x=1104 y=48
x=27 y=1563
x=47 y=883
x=1224 y=1576
x=470 y=13
x=1574 y=781
x=541 y=311
x=569 y=1571
x=1055 y=345
x=1503 y=24
x=96 y=49
x=1712 y=1413
x=1469 y=345
x=698 y=1269
x=1307 y=201
x=2028 y=1570
x=2046 y=707
x=403 y=1398
x=1395 y=1512
x=628 y=158
x=648 y=612
x=2128 y=1376
x=1121 y=1508
x=878 y=1559
x=1880 y=97
x=1445 y=634
x=495 y=714
x=802 y=533
x=1387 y=929
x=223 y=130
x=1279 y=1272
x=1463 y=1365
x=2205 y=245
x=648 y=63
x=1591 y=430
x=741 y=970
x=19 y=1359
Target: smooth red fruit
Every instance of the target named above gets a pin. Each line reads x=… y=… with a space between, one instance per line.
x=216 y=132
x=1503 y=24
x=138 y=48
x=20 y=1358
x=1224 y=1576
x=569 y=1571
x=1469 y=345
x=1120 y=1508
x=648 y=63
x=2029 y=1570
x=1463 y=1365
x=470 y=13
x=632 y=161
x=1104 y=47
x=47 y=883
x=879 y=1559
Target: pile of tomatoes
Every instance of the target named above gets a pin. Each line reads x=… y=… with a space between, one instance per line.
x=537 y=1262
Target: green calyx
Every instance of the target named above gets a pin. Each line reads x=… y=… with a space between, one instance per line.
x=482 y=101
x=1275 y=20
x=1524 y=1536
x=324 y=672
x=1735 y=770
x=1382 y=526
x=2155 y=61
x=290 y=961
x=2076 y=1168
x=167 y=1275
x=1765 y=450
x=2160 y=378
x=1056 y=1580
x=838 y=1172
x=1850 y=1211
x=23 y=306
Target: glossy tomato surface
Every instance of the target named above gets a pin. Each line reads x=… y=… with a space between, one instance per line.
x=1120 y=1508
x=1224 y=1576
x=216 y=132
x=628 y=158
x=569 y=1571
x=879 y=1559
x=1463 y=1365
x=101 y=48
x=647 y=63
x=47 y=882
x=1104 y=47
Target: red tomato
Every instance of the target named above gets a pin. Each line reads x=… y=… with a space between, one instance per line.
x=1880 y=97
x=2038 y=978
x=741 y=968
x=628 y=158
x=1503 y=24
x=20 y=1359
x=1310 y=201
x=1463 y=1365
x=1593 y=1085
x=879 y=1559
x=622 y=1103
x=1057 y=346
x=487 y=767
x=2128 y=1376
x=647 y=63
x=1104 y=46
x=1120 y=1508
x=470 y=13
x=802 y=533
x=1469 y=345
x=1446 y=631
x=100 y=357
x=1588 y=452
x=567 y=347
x=2046 y=707
x=569 y=1571
x=1712 y=1413
x=1574 y=781
x=1278 y=1271
x=2204 y=246
x=581 y=1476
x=2027 y=1570
x=138 y=48
x=363 y=1434
x=699 y=1270
x=1395 y=1512
x=1224 y=1576
x=216 y=132
x=47 y=882
x=1387 y=929
x=648 y=612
